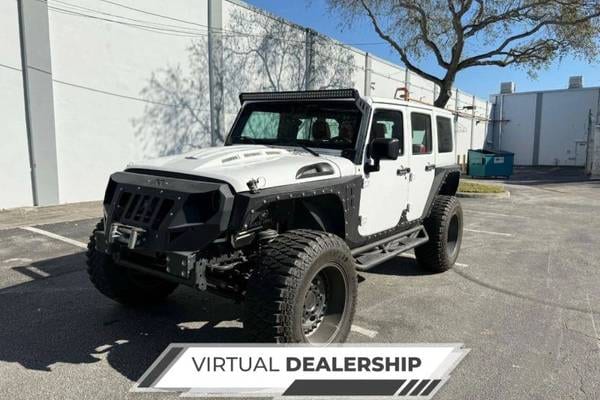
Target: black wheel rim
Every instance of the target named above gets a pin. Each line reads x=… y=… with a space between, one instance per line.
x=453 y=235
x=324 y=304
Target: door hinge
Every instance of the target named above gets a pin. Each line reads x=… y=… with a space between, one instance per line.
x=407 y=207
x=362 y=220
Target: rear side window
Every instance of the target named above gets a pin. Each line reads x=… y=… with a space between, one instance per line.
x=421 y=133
x=444 y=134
x=388 y=124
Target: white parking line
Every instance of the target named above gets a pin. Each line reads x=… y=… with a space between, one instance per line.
x=497 y=214
x=37 y=271
x=363 y=331
x=55 y=236
x=489 y=232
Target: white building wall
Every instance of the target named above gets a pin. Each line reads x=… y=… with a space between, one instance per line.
x=386 y=78
x=593 y=162
x=99 y=114
x=15 y=178
x=421 y=89
x=359 y=70
x=563 y=119
x=463 y=125
x=516 y=134
x=481 y=124
x=261 y=53
x=564 y=126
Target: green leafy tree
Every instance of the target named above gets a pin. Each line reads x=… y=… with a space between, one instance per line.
x=462 y=34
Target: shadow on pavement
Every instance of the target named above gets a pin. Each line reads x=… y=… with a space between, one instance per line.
x=61 y=318
x=400 y=266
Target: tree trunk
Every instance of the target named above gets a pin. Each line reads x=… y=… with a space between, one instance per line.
x=444 y=96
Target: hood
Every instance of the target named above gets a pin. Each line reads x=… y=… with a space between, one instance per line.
x=239 y=164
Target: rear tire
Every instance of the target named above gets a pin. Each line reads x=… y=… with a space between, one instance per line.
x=122 y=284
x=444 y=227
x=302 y=291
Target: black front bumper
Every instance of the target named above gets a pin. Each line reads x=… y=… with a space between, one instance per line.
x=167 y=213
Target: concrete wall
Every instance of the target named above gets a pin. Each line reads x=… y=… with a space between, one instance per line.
x=564 y=126
x=593 y=162
x=517 y=133
x=139 y=79
x=15 y=178
x=115 y=92
x=385 y=78
x=546 y=128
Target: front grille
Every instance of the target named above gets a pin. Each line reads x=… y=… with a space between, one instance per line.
x=176 y=214
x=142 y=209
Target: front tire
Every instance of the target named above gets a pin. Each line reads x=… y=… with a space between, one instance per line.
x=302 y=291
x=444 y=227
x=122 y=284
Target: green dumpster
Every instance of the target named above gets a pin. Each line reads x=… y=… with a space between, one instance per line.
x=488 y=163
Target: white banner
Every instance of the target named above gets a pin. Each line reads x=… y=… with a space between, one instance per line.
x=296 y=370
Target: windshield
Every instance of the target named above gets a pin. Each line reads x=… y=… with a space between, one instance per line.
x=326 y=124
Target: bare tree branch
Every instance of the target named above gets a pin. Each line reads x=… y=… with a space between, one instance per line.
x=470 y=61
x=462 y=34
x=395 y=45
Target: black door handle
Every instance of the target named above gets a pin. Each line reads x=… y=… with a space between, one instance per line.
x=403 y=171
x=429 y=167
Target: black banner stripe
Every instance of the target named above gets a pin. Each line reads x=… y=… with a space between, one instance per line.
x=408 y=387
x=160 y=367
x=343 y=387
x=420 y=387
x=431 y=386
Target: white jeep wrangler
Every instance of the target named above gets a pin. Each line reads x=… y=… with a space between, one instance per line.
x=309 y=187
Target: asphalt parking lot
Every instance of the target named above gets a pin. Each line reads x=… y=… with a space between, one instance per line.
x=525 y=298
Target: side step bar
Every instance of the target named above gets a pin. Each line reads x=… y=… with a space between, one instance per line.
x=375 y=253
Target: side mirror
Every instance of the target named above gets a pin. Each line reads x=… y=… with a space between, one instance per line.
x=385 y=149
x=382 y=149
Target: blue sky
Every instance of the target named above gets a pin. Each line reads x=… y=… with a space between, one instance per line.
x=481 y=81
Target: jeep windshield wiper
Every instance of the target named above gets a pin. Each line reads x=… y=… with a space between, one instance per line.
x=311 y=151
x=303 y=147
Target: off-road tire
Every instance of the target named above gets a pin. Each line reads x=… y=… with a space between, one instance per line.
x=438 y=254
x=122 y=284
x=287 y=269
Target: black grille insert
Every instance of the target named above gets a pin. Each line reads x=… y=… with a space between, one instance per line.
x=144 y=210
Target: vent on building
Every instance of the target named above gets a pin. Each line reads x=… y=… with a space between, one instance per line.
x=576 y=82
x=507 y=87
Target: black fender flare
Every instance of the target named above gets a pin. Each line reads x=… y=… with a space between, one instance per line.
x=445 y=182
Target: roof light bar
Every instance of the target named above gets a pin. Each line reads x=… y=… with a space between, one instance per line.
x=301 y=95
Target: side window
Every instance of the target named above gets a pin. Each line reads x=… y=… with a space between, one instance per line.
x=388 y=124
x=421 y=133
x=444 y=134
x=262 y=125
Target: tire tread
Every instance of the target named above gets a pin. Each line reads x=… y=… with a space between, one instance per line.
x=432 y=255
x=270 y=298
